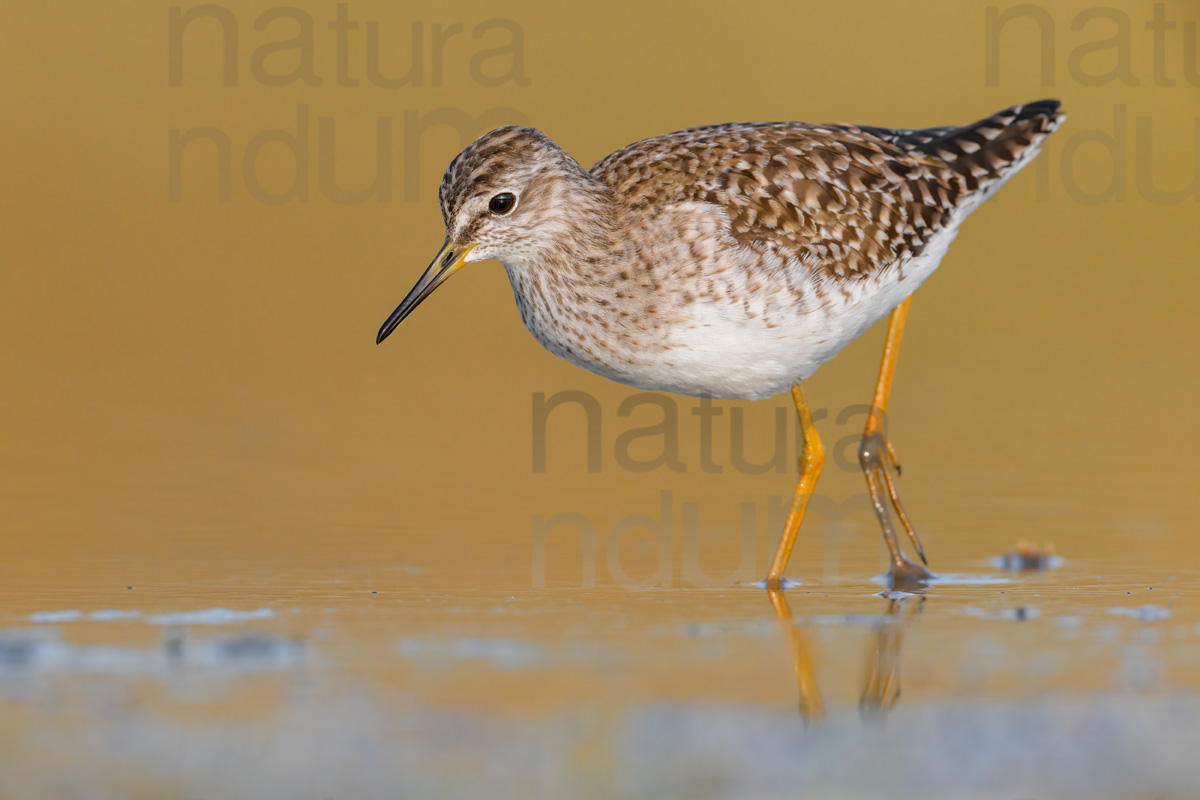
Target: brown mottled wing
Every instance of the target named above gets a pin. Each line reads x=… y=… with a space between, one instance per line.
x=845 y=200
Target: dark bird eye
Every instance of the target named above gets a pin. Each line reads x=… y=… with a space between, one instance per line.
x=502 y=203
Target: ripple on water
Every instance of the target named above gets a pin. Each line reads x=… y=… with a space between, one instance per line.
x=38 y=651
x=1146 y=613
x=950 y=579
x=203 y=616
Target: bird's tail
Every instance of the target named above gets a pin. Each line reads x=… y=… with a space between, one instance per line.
x=993 y=149
x=988 y=152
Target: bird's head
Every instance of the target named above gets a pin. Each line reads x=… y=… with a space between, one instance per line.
x=512 y=195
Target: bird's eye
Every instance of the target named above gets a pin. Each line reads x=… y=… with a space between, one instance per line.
x=502 y=203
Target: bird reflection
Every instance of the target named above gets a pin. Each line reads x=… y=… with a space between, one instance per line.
x=811 y=707
x=881 y=689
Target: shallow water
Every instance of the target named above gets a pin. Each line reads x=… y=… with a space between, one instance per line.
x=1081 y=681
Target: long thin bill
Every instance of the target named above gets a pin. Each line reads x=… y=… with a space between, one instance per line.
x=448 y=261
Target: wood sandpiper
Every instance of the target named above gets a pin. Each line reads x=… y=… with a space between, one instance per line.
x=730 y=261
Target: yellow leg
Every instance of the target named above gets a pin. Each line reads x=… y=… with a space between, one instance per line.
x=811 y=706
x=876 y=455
x=810 y=469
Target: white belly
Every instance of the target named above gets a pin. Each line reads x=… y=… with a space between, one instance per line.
x=724 y=353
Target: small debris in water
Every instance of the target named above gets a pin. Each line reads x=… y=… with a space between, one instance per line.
x=1028 y=557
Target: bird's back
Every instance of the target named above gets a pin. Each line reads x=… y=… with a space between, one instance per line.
x=846 y=200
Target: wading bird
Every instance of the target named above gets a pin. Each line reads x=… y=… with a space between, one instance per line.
x=730 y=261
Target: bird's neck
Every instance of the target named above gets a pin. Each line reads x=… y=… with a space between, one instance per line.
x=582 y=243
x=565 y=288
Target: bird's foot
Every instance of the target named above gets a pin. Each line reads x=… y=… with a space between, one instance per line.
x=775 y=583
x=908 y=576
x=878 y=460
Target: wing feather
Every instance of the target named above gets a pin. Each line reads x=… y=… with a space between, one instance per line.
x=844 y=200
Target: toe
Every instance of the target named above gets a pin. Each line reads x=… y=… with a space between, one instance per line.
x=906 y=574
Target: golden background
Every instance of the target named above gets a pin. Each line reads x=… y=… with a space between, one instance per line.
x=193 y=404
x=192 y=385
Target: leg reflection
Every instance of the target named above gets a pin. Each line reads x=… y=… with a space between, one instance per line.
x=882 y=688
x=811 y=707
